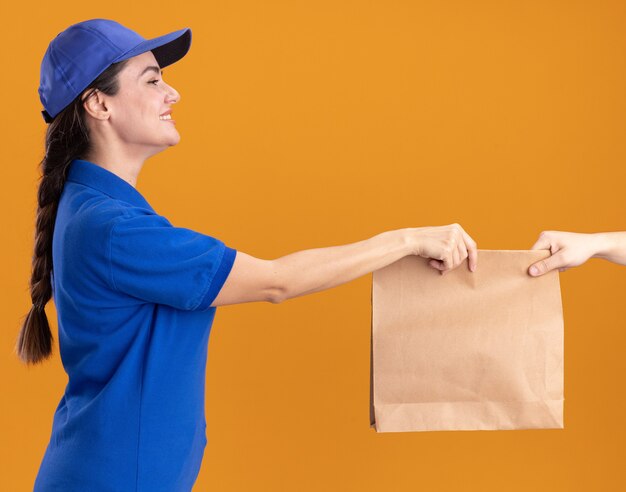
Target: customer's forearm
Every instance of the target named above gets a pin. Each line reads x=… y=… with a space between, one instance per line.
x=611 y=246
x=313 y=270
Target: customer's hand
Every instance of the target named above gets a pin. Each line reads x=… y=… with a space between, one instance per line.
x=446 y=246
x=568 y=249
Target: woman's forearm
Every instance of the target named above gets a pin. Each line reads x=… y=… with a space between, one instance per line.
x=611 y=246
x=313 y=270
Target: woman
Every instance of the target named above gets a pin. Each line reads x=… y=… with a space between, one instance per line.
x=136 y=296
x=570 y=249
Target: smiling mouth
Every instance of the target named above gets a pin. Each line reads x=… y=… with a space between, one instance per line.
x=166 y=117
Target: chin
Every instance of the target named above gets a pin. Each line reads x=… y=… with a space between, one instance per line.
x=176 y=139
x=173 y=141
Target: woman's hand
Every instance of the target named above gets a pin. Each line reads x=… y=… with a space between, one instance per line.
x=446 y=246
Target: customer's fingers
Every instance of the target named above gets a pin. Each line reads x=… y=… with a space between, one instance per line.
x=542 y=267
x=543 y=242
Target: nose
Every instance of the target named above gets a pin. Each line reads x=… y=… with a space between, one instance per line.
x=173 y=94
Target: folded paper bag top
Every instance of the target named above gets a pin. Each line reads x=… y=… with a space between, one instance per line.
x=466 y=350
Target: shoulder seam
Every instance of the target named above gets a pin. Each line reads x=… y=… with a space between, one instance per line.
x=116 y=222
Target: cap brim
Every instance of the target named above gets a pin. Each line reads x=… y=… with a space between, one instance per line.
x=167 y=49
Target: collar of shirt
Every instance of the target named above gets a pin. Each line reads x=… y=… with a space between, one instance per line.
x=101 y=179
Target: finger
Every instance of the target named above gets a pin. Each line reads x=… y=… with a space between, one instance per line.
x=456 y=257
x=436 y=264
x=544 y=266
x=472 y=251
x=462 y=251
x=447 y=261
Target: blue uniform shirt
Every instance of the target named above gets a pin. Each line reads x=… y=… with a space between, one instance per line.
x=133 y=296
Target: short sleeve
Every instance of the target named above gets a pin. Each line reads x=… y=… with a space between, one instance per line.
x=152 y=260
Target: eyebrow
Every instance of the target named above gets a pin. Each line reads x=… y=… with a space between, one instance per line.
x=154 y=68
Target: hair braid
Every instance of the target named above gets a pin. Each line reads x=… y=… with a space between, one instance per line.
x=67 y=138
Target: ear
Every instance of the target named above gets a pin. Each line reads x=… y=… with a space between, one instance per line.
x=95 y=105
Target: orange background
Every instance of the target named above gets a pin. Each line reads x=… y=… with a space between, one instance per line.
x=322 y=123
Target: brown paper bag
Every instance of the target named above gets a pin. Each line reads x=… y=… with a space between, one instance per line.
x=466 y=351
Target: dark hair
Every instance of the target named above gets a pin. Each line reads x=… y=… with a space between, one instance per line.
x=67 y=138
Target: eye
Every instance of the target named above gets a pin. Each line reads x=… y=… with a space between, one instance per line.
x=153 y=81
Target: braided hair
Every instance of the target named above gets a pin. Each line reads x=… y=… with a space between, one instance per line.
x=67 y=138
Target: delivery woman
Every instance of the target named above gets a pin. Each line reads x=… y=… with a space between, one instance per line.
x=135 y=295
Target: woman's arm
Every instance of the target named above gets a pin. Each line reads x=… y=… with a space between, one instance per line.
x=570 y=249
x=312 y=270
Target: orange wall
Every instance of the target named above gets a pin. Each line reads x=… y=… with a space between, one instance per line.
x=322 y=123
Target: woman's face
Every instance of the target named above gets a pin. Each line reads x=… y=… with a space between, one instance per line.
x=134 y=111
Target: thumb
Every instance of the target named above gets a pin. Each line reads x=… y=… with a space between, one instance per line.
x=544 y=266
x=437 y=264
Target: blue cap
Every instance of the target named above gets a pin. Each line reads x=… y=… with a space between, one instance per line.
x=76 y=56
